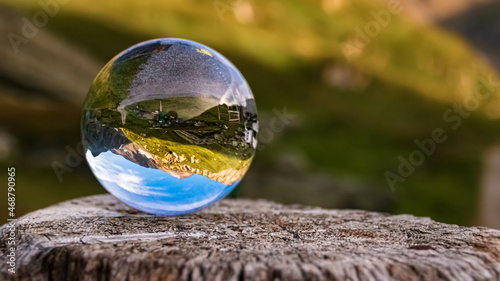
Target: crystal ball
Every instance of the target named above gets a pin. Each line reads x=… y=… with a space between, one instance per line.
x=169 y=126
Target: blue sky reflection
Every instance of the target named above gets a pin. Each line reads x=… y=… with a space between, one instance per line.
x=153 y=190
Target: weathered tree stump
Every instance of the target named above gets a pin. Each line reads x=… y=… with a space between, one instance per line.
x=100 y=238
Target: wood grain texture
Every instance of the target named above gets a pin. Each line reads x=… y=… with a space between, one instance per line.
x=100 y=238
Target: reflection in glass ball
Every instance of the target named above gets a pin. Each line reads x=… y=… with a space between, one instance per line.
x=169 y=126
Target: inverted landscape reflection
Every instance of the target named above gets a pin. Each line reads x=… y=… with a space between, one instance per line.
x=149 y=189
x=169 y=126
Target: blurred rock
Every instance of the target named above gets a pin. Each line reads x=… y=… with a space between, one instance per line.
x=481 y=26
x=8 y=145
x=489 y=207
x=43 y=82
x=42 y=64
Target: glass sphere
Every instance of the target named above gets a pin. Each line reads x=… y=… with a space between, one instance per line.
x=169 y=126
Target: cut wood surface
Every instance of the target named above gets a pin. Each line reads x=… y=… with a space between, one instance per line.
x=100 y=238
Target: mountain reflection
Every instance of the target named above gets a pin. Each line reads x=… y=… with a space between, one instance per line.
x=139 y=186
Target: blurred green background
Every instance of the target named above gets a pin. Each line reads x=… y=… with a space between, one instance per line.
x=360 y=82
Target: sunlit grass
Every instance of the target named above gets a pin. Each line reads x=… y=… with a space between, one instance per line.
x=414 y=56
x=207 y=159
